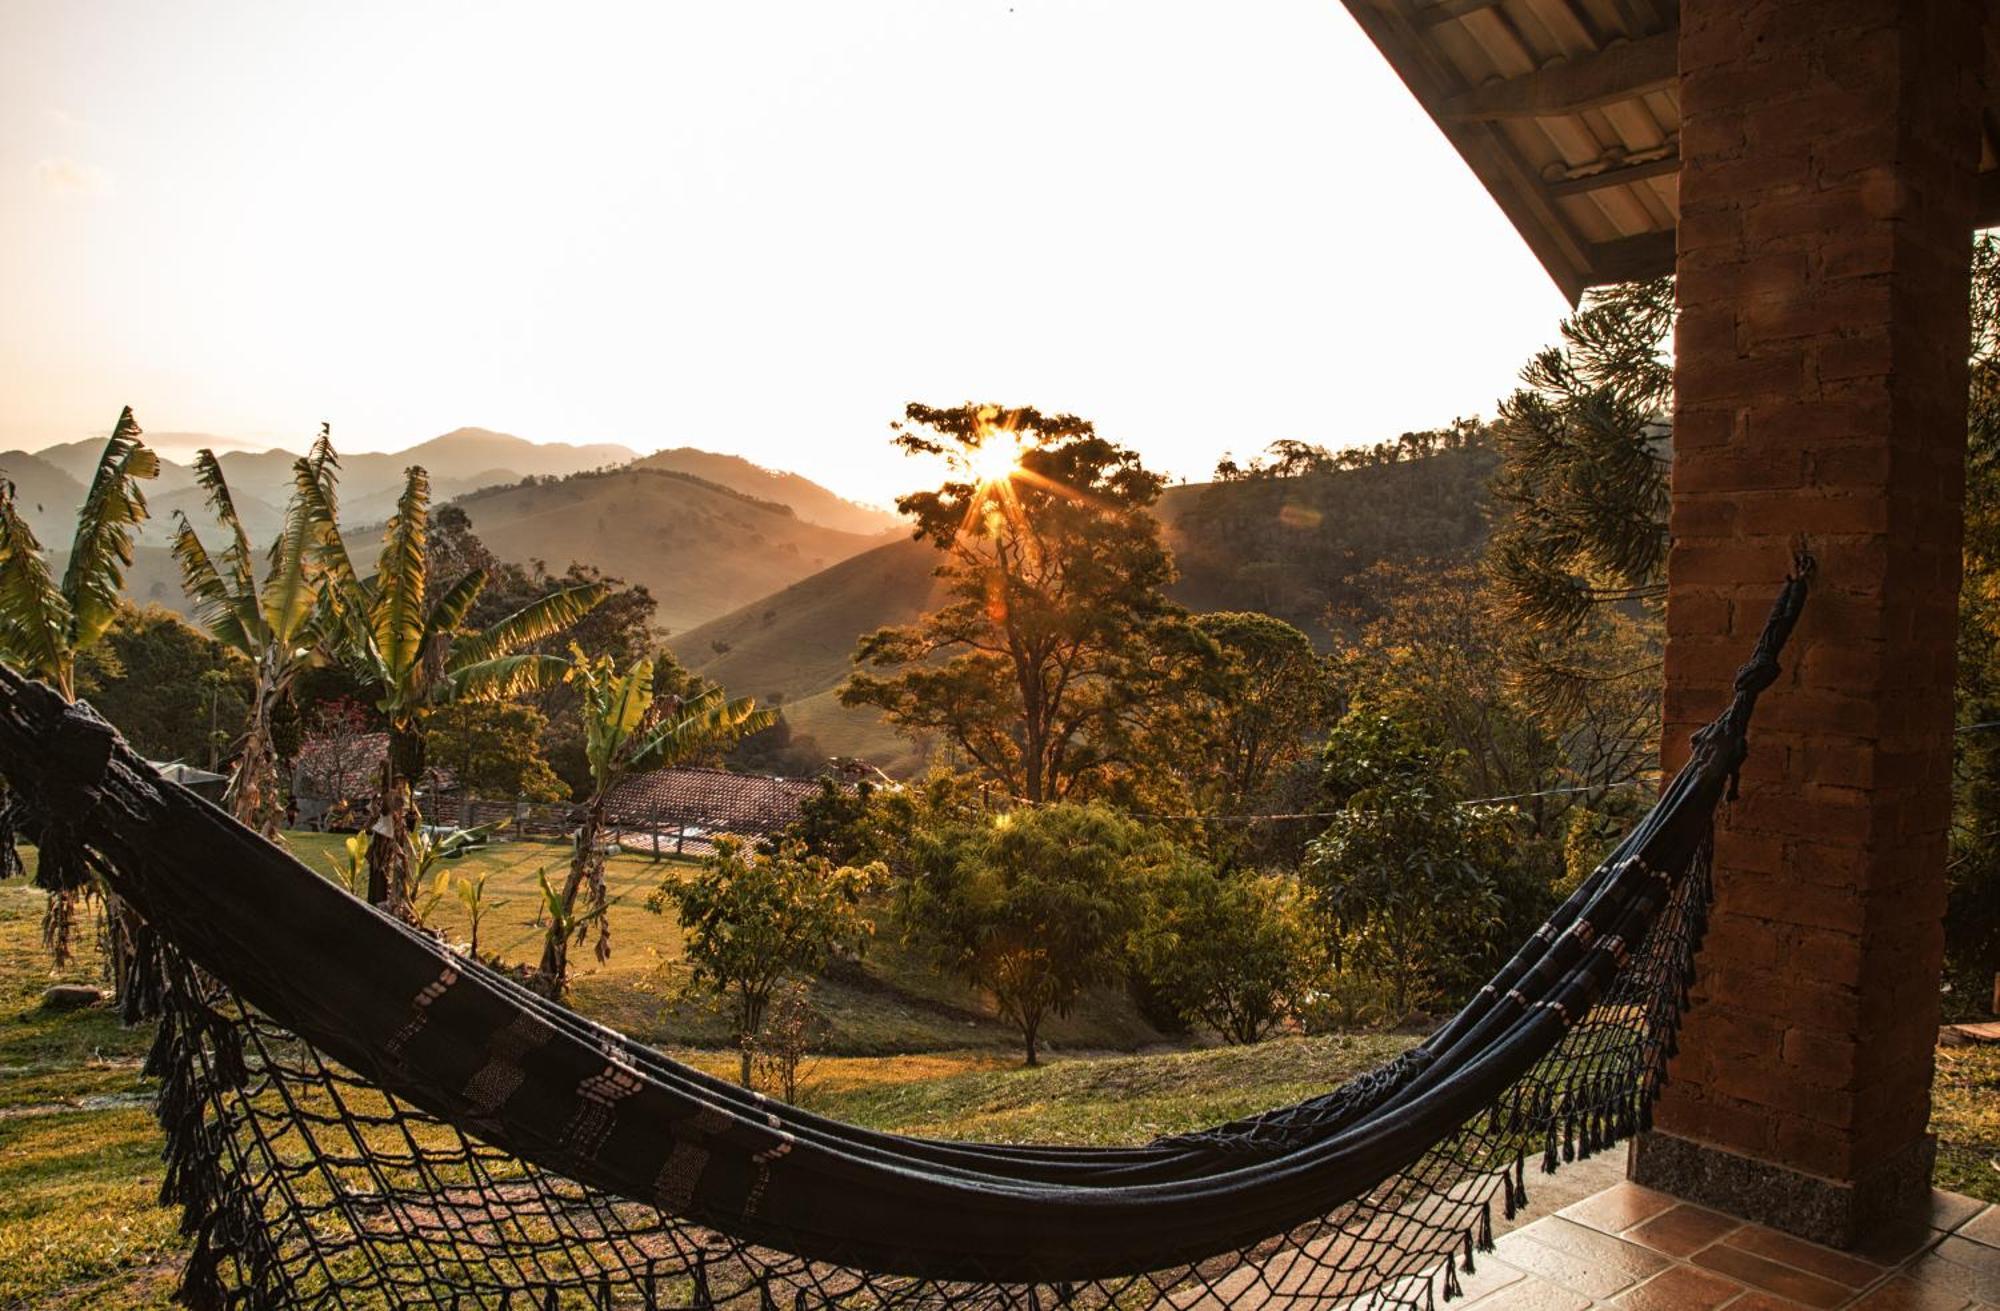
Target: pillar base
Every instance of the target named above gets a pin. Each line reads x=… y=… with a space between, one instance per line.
x=1832 y=1212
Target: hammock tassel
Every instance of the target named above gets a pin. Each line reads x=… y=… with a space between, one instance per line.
x=1486 y=1226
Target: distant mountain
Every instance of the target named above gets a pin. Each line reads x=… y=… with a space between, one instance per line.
x=47 y=494
x=812 y=502
x=700 y=547
x=1298 y=548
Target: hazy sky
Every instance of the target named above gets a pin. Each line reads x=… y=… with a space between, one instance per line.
x=750 y=226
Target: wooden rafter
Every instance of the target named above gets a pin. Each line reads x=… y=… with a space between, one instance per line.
x=1616 y=73
x=1616 y=176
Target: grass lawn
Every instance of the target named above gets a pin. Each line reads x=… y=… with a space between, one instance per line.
x=79 y=1151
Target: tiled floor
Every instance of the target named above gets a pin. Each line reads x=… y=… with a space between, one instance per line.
x=1630 y=1248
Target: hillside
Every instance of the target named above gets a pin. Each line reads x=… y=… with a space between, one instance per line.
x=810 y=501
x=1293 y=547
x=48 y=495
x=793 y=649
x=701 y=548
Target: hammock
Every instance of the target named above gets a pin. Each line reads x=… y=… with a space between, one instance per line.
x=356 y=1116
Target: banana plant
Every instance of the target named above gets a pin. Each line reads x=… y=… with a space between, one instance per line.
x=627 y=729
x=472 y=895
x=45 y=625
x=273 y=623
x=412 y=650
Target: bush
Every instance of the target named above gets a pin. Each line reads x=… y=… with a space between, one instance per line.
x=1234 y=951
x=1033 y=905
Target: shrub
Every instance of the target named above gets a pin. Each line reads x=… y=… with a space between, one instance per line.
x=1234 y=951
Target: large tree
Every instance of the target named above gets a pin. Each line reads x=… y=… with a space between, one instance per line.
x=409 y=644
x=1044 y=658
x=272 y=622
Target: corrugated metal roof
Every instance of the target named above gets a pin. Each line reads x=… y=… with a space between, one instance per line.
x=1568 y=111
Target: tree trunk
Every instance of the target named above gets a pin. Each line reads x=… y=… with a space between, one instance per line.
x=252 y=796
x=389 y=826
x=555 y=946
x=1029 y=1029
x=749 y=1019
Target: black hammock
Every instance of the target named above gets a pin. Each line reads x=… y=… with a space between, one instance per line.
x=358 y=1116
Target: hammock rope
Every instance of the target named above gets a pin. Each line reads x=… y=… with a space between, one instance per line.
x=356 y=1116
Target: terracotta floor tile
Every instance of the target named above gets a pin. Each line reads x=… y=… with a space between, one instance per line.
x=1529 y=1294
x=1906 y=1294
x=1584 y=1260
x=1983 y=1227
x=1951 y=1210
x=1682 y=1231
x=1980 y=1263
x=1680 y=1288
x=1810 y=1257
x=1618 y=1208
x=1754 y=1301
x=1771 y=1277
x=1490 y=1274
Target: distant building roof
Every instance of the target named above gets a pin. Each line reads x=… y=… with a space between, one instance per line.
x=711 y=799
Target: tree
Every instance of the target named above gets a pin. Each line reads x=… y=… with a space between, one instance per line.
x=1581 y=493
x=627 y=728
x=1034 y=906
x=45 y=626
x=410 y=646
x=272 y=623
x=1233 y=950
x=163 y=682
x=1038 y=668
x=1264 y=696
x=1401 y=873
x=750 y=919
x=1972 y=917
x=494 y=749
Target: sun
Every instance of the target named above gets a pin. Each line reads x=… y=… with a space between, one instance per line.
x=997 y=458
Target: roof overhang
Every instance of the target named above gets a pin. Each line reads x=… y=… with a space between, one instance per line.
x=1569 y=112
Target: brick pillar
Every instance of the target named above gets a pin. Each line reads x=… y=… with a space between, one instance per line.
x=1826 y=193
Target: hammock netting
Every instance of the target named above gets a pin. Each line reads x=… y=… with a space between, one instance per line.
x=356 y=1116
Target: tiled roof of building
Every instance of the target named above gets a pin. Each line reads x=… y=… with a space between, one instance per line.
x=711 y=799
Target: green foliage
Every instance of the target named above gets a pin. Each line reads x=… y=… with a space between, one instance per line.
x=1581 y=493
x=45 y=626
x=1401 y=876
x=1972 y=919
x=1236 y=951
x=751 y=919
x=626 y=729
x=494 y=749
x=1033 y=905
x=1264 y=698
x=165 y=684
x=1042 y=665
x=273 y=624
x=409 y=644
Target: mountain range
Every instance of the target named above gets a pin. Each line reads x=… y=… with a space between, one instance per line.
x=765 y=580
x=703 y=530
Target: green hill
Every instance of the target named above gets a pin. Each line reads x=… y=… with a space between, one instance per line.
x=700 y=547
x=1293 y=547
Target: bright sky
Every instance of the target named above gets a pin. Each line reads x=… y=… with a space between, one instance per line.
x=752 y=226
